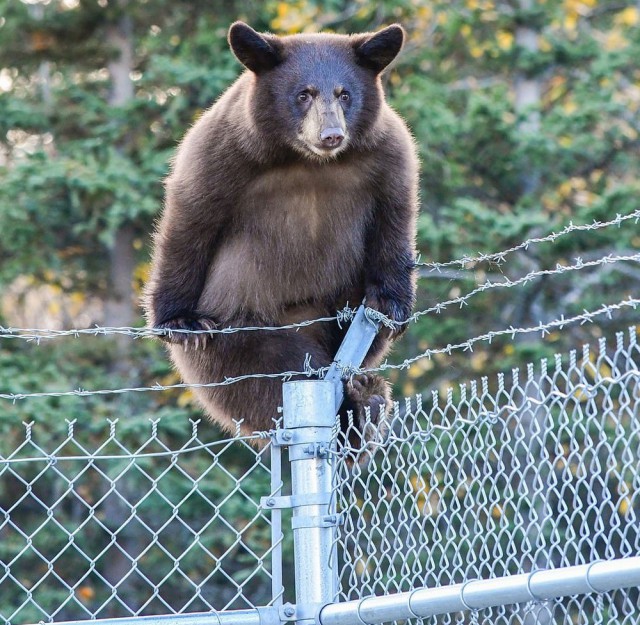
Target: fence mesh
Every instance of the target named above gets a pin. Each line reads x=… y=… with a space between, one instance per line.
x=131 y=518
x=539 y=470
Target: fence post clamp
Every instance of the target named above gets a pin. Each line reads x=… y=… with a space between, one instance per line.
x=290 y=612
x=295 y=501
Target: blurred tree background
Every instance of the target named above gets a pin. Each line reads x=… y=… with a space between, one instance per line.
x=525 y=113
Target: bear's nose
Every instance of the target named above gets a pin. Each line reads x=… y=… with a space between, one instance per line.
x=331 y=137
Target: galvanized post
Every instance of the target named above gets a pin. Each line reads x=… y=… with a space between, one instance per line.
x=308 y=417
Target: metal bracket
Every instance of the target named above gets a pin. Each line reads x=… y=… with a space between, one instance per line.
x=300 y=436
x=283 y=437
x=295 y=501
x=352 y=351
x=327 y=520
x=291 y=612
x=317 y=450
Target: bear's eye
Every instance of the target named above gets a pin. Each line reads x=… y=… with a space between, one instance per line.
x=345 y=96
x=304 y=96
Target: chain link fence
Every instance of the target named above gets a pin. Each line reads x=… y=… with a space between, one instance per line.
x=115 y=522
x=536 y=470
x=533 y=471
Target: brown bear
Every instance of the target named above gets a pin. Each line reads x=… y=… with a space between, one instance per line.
x=294 y=195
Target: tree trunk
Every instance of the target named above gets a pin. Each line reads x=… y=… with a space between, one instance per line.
x=528 y=96
x=528 y=91
x=119 y=311
x=119 y=305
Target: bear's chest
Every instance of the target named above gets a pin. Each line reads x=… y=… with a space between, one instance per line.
x=300 y=237
x=302 y=218
x=307 y=204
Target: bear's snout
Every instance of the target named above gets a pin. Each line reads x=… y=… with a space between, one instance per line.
x=331 y=138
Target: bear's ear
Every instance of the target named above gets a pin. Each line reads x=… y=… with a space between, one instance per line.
x=255 y=51
x=378 y=50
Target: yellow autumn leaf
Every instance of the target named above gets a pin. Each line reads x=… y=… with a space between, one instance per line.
x=580 y=395
x=185 y=398
x=571 y=21
x=142 y=272
x=615 y=40
x=565 y=188
x=544 y=44
x=624 y=506
x=419 y=484
x=421 y=489
x=425 y=12
x=628 y=16
x=408 y=389
x=504 y=39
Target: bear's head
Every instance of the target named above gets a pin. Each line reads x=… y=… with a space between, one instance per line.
x=317 y=94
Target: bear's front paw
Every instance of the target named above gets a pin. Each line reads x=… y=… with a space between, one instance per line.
x=395 y=309
x=370 y=397
x=173 y=331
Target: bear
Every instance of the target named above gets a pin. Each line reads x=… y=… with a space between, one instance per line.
x=293 y=196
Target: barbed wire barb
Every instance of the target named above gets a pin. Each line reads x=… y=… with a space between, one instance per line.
x=585 y=317
x=499 y=258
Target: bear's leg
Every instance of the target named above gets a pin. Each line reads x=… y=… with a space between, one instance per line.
x=254 y=401
x=366 y=410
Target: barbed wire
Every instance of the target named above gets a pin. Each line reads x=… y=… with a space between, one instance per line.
x=491 y=416
x=343 y=316
x=37 y=334
x=545 y=328
x=499 y=257
x=285 y=375
x=532 y=275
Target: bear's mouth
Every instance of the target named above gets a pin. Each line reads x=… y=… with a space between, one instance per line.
x=322 y=151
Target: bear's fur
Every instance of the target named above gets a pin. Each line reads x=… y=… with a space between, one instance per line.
x=294 y=195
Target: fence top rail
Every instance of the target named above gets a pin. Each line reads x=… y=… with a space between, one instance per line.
x=540 y=585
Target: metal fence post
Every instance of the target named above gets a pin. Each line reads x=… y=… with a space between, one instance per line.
x=309 y=416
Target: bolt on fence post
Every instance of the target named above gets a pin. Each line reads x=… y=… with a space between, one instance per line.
x=309 y=417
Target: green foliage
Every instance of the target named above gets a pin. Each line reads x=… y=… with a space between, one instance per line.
x=75 y=170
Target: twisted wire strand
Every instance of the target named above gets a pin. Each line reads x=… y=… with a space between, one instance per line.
x=500 y=257
x=37 y=334
x=545 y=328
x=491 y=415
x=532 y=275
x=343 y=316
